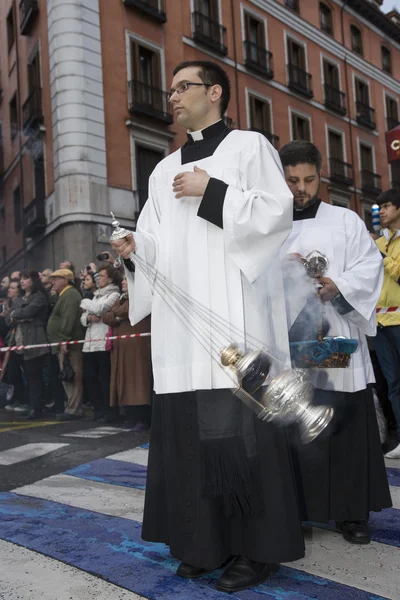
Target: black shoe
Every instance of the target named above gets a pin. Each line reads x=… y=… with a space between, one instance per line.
x=355 y=532
x=68 y=417
x=32 y=415
x=244 y=573
x=189 y=572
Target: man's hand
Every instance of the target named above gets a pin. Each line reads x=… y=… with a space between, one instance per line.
x=93 y=319
x=329 y=289
x=191 y=184
x=63 y=350
x=124 y=247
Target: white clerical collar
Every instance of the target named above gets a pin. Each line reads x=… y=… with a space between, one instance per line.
x=198 y=135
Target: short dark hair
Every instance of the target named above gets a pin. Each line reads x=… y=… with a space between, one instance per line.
x=37 y=285
x=300 y=152
x=114 y=274
x=392 y=196
x=212 y=74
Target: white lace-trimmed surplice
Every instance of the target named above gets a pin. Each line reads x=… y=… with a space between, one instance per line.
x=355 y=266
x=233 y=271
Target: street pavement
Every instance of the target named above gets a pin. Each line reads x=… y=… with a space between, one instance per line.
x=71 y=507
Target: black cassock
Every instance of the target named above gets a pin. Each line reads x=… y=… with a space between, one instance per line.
x=341 y=475
x=177 y=510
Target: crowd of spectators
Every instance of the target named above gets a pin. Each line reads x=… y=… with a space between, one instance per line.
x=107 y=381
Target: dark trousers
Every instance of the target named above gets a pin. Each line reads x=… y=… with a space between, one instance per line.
x=57 y=388
x=15 y=376
x=34 y=375
x=97 y=375
x=387 y=348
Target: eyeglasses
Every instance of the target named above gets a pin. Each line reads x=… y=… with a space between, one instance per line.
x=183 y=87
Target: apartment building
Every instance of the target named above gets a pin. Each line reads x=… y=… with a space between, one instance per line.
x=84 y=116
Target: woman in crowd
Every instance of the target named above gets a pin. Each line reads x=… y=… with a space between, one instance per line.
x=131 y=375
x=96 y=359
x=89 y=285
x=29 y=318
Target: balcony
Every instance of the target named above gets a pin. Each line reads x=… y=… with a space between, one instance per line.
x=391 y=123
x=209 y=33
x=340 y=172
x=34 y=218
x=28 y=10
x=259 y=59
x=32 y=112
x=300 y=81
x=371 y=183
x=334 y=99
x=152 y=8
x=148 y=100
x=273 y=139
x=365 y=115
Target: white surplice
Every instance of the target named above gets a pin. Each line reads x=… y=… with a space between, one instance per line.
x=355 y=266
x=233 y=271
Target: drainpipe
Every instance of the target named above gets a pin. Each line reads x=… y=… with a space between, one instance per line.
x=236 y=67
x=348 y=105
x=20 y=133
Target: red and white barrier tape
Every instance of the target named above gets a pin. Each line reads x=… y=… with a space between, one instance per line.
x=73 y=342
x=387 y=309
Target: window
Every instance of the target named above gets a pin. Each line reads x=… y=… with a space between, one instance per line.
x=297 y=55
x=335 y=142
x=14 y=121
x=386 y=60
x=366 y=158
x=17 y=210
x=301 y=128
x=293 y=4
x=325 y=18
x=331 y=75
x=10 y=29
x=260 y=114
x=146 y=160
x=362 y=92
x=208 y=8
x=392 y=115
x=34 y=73
x=356 y=40
x=146 y=65
x=255 y=31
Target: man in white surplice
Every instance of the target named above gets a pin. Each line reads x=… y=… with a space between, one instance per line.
x=219 y=481
x=341 y=476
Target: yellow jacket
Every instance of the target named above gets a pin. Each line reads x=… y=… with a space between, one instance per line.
x=389 y=245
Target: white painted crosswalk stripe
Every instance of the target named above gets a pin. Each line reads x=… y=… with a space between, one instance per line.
x=374 y=568
x=96 y=433
x=27 y=452
x=139 y=456
x=112 y=500
x=27 y=575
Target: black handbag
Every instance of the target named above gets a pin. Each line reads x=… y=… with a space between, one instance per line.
x=66 y=373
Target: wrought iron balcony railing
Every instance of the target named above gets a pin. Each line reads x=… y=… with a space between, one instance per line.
x=209 y=33
x=274 y=139
x=335 y=99
x=371 y=183
x=150 y=101
x=32 y=111
x=28 y=9
x=259 y=59
x=153 y=8
x=300 y=80
x=340 y=172
x=365 y=115
x=391 y=123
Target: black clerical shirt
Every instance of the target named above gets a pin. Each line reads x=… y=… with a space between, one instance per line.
x=212 y=203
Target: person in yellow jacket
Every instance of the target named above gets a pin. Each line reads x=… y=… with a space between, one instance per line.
x=387 y=341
